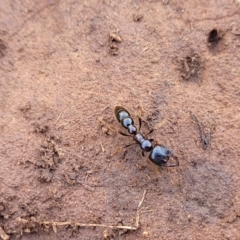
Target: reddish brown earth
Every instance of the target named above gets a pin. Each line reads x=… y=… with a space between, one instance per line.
x=65 y=65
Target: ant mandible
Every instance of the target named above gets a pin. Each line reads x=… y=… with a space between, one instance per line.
x=158 y=154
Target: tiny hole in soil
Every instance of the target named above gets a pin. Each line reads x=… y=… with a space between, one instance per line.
x=2 y=48
x=215 y=41
x=213 y=36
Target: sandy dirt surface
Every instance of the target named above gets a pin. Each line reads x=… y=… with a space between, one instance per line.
x=65 y=65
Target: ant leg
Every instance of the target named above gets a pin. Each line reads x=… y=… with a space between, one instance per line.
x=128 y=145
x=172 y=164
x=154 y=168
x=140 y=123
x=124 y=134
x=151 y=140
x=143 y=153
x=150 y=132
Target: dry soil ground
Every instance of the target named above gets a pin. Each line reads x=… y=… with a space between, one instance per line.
x=65 y=65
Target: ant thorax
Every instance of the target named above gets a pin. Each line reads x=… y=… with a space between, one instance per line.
x=145 y=144
x=139 y=138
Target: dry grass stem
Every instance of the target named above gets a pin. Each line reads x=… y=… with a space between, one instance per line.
x=56 y=224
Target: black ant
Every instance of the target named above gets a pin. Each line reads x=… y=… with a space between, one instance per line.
x=158 y=154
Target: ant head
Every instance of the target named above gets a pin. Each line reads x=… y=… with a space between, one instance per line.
x=160 y=155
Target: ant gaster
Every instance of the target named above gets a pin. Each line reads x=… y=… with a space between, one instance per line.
x=158 y=154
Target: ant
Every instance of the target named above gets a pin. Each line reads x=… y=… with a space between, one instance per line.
x=158 y=154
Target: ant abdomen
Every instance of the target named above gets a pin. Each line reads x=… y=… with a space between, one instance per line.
x=123 y=116
x=121 y=113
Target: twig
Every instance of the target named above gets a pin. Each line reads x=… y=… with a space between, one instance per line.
x=103 y=149
x=105 y=108
x=160 y=124
x=138 y=209
x=58 y=118
x=3 y=235
x=105 y=124
x=86 y=186
x=205 y=138
x=55 y=224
